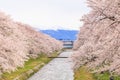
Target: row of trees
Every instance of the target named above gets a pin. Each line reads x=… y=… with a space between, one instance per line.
x=19 y=42
x=98 y=42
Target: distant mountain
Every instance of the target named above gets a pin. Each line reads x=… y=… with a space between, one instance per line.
x=61 y=34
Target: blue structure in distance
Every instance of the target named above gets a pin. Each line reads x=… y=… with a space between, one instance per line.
x=66 y=36
x=62 y=34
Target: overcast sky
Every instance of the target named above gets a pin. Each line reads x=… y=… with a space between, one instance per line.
x=46 y=14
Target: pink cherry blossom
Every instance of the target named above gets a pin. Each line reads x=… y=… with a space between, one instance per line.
x=19 y=42
x=98 y=42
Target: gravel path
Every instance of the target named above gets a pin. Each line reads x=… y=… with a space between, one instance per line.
x=57 y=69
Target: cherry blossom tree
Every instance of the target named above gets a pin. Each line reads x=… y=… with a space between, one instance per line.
x=19 y=42
x=98 y=43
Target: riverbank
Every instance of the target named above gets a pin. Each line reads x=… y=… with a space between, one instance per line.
x=83 y=74
x=59 y=68
x=31 y=66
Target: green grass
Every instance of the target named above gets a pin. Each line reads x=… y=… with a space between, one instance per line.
x=83 y=74
x=105 y=76
x=30 y=64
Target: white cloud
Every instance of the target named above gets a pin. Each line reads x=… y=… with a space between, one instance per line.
x=48 y=13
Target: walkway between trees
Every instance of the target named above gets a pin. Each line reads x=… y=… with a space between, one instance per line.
x=57 y=69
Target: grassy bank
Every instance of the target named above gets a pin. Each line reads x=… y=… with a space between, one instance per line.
x=83 y=74
x=31 y=66
x=105 y=76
